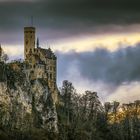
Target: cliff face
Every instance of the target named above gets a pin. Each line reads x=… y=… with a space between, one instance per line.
x=25 y=105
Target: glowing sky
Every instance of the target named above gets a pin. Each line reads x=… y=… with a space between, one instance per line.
x=82 y=43
x=74 y=30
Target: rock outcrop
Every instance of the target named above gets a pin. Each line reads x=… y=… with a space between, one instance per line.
x=25 y=105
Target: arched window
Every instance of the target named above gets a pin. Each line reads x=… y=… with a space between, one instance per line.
x=50 y=76
x=30 y=50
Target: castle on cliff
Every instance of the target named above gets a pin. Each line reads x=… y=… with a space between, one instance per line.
x=42 y=62
x=39 y=63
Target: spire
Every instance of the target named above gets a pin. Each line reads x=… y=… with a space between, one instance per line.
x=37 y=43
x=0 y=50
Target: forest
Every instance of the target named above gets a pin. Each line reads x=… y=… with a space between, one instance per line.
x=84 y=117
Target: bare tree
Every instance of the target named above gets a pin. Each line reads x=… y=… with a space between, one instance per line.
x=3 y=56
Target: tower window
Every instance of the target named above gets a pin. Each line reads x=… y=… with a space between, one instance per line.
x=30 y=51
x=26 y=42
x=50 y=76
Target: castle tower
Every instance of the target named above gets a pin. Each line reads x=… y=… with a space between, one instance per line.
x=29 y=41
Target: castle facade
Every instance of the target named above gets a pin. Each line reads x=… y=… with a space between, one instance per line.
x=42 y=63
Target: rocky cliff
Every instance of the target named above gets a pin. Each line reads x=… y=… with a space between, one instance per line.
x=26 y=106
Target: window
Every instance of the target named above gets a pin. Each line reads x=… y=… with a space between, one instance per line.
x=50 y=76
x=26 y=42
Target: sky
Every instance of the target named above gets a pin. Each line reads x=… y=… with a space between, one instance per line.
x=97 y=42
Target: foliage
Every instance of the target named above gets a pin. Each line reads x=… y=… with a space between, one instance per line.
x=78 y=114
x=83 y=117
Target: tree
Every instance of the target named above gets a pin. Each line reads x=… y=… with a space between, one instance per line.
x=3 y=56
x=66 y=91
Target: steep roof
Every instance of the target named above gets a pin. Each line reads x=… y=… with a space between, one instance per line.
x=47 y=53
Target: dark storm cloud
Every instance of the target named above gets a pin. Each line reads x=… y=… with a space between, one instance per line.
x=114 y=68
x=66 y=18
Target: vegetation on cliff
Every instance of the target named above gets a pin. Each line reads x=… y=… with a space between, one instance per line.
x=27 y=110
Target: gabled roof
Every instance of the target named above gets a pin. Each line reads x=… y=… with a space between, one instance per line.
x=47 y=53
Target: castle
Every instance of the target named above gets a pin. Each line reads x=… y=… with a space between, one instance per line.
x=41 y=62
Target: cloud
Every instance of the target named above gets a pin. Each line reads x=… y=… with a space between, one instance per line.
x=59 y=19
x=90 y=43
x=114 y=75
x=14 y=52
x=115 y=68
x=126 y=93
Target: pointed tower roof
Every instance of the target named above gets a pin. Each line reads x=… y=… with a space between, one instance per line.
x=37 y=43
